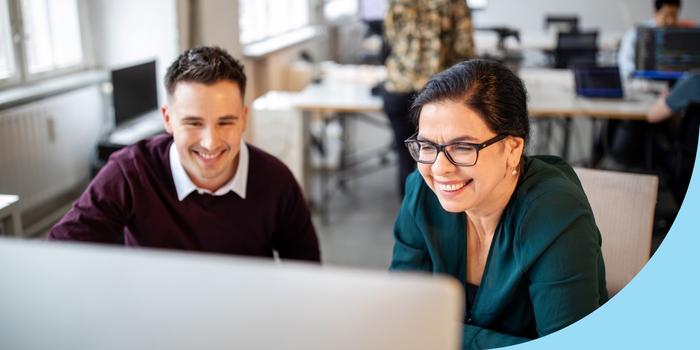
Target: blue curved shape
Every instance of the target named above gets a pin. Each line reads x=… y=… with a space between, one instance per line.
x=660 y=307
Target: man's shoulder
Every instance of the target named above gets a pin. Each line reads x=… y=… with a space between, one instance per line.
x=269 y=179
x=266 y=165
x=150 y=152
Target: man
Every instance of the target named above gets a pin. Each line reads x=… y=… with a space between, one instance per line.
x=201 y=187
x=665 y=16
x=426 y=37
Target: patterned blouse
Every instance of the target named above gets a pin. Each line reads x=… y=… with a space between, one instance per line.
x=426 y=37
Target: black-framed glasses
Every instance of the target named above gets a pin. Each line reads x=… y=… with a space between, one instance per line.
x=458 y=153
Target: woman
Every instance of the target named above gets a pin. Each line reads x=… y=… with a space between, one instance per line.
x=517 y=231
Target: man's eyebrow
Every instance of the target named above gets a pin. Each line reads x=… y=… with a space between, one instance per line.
x=191 y=118
x=228 y=118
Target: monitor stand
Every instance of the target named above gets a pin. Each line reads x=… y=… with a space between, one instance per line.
x=144 y=126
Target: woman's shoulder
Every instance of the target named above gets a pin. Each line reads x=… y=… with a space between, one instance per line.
x=549 y=201
x=548 y=177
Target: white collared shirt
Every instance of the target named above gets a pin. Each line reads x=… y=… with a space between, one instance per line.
x=185 y=186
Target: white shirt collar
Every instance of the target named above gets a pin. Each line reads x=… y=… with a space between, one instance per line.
x=184 y=185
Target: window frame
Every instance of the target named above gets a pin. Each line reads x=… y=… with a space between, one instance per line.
x=310 y=19
x=21 y=75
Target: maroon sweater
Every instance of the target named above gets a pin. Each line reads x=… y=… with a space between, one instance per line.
x=133 y=201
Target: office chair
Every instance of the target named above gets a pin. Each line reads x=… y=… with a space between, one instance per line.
x=623 y=206
x=684 y=151
x=575 y=47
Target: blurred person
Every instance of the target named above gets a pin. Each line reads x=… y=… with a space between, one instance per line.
x=200 y=187
x=517 y=231
x=683 y=99
x=425 y=37
x=666 y=13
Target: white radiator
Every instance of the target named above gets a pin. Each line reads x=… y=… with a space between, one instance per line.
x=46 y=146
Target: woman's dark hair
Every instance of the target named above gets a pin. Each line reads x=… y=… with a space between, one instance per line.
x=206 y=65
x=486 y=87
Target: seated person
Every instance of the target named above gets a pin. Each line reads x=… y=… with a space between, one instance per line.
x=665 y=15
x=685 y=93
x=517 y=231
x=200 y=188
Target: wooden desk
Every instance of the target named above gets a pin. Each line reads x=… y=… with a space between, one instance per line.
x=10 y=222
x=551 y=94
x=338 y=99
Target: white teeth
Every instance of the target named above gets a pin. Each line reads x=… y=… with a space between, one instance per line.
x=208 y=156
x=451 y=187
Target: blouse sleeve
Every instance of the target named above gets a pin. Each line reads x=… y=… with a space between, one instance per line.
x=560 y=242
x=410 y=249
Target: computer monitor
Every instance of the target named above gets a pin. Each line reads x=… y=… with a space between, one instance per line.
x=597 y=81
x=134 y=91
x=667 y=49
x=81 y=296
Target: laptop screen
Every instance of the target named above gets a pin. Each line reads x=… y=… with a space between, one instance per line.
x=597 y=81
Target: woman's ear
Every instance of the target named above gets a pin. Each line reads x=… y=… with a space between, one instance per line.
x=515 y=147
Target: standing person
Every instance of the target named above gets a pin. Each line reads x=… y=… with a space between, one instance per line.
x=201 y=187
x=517 y=231
x=425 y=37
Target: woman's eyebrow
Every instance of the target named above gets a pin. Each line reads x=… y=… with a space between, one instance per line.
x=457 y=139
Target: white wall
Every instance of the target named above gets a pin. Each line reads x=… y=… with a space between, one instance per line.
x=606 y=15
x=132 y=31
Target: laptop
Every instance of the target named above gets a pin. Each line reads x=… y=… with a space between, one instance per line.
x=598 y=81
x=82 y=296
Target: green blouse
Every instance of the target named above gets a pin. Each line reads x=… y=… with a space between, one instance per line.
x=544 y=269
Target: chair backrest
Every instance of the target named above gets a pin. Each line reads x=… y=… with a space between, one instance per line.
x=575 y=47
x=623 y=205
x=561 y=23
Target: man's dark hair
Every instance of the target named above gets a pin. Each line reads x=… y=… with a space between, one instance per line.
x=486 y=87
x=658 y=4
x=206 y=65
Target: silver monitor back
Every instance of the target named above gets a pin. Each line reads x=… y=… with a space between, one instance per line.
x=79 y=296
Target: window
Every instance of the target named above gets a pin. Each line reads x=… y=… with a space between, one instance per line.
x=6 y=55
x=336 y=10
x=46 y=32
x=262 y=19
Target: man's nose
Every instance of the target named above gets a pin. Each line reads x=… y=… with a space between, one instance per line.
x=210 y=138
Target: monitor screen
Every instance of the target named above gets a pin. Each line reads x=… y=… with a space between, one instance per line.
x=667 y=49
x=596 y=81
x=134 y=91
x=83 y=296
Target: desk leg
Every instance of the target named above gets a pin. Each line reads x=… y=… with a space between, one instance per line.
x=11 y=224
x=319 y=143
x=567 y=137
x=15 y=225
x=345 y=150
x=325 y=192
